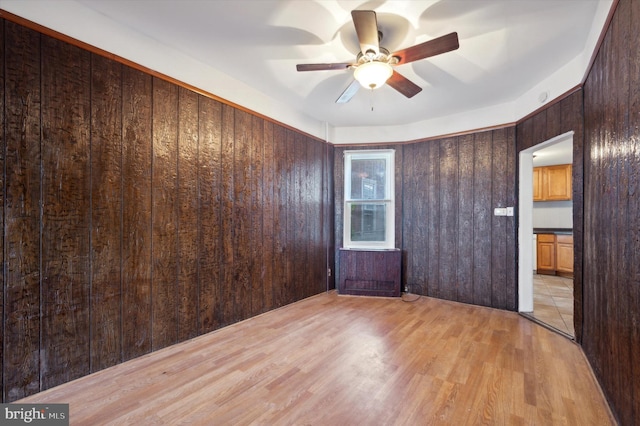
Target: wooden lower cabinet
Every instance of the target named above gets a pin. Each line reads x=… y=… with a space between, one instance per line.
x=554 y=254
x=546 y=254
x=564 y=254
x=370 y=272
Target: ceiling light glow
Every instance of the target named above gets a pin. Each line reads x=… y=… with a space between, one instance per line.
x=372 y=75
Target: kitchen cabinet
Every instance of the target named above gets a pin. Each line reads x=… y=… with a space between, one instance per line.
x=370 y=272
x=564 y=254
x=552 y=183
x=546 y=254
x=554 y=254
x=537 y=184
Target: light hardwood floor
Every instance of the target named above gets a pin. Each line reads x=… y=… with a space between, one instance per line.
x=346 y=360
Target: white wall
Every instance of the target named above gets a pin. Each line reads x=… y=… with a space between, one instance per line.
x=553 y=214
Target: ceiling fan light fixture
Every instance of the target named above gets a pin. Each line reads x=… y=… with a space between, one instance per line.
x=374 y=74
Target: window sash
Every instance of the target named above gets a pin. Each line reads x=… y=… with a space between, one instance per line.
x=369 y=217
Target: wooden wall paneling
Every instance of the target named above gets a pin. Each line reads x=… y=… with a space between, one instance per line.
x=313 y=205
x=512 y=240
x=209 y=208
x=146 y=189
x=592 y=185
x=338 y=190
x=292 y=208
x=539 y=127
x=524 y=137
x=595 y=272
x=227 y=285
x=256 y=236
x=417 y=183
x=188 y=215
x=3 y=173
x=605 y=248
x=268 y=216
x=106 y=212
x=313 y=184
x=280 y=216
x=313 y=201
x=432 y=212
x=408 y=214
x=321 y=235
x=296 y=224
x=242 y=215
x=499 y=224
x=330 y=207
x=554 y=121
x=136 y=213
x=301 y=230
x=448 y=230
x=633 y=229
x=66 y=212
x=623 y=30
x=601 y=285
x=482 y=217
x=165 y=214
x=466 y=153
x=21 y=238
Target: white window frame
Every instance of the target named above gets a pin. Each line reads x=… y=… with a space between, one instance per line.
x=389 y=199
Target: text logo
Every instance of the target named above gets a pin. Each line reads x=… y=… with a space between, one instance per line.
x=34 y=414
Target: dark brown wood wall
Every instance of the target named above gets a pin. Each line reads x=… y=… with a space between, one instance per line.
x=139 y=214
x=611 y=279
x=559 y=118
x=453 y=246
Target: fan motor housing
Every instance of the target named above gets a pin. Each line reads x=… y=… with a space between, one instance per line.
x=370 y=56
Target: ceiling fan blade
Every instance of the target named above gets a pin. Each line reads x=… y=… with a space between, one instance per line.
x=367 y=29
x=403 y=85
x=429 y=48
x=323 y=67
x=348 y=92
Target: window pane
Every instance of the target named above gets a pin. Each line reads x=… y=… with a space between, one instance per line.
x=368 y=222
x=368 y=179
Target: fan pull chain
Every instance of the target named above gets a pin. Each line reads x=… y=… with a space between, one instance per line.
x=371 y=99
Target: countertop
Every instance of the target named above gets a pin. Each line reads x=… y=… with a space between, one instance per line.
x=557 y=231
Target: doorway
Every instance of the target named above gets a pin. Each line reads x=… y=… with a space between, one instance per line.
x=547 y=299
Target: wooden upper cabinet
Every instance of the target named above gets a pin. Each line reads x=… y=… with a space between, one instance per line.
x=552 y=183
x=537 y=184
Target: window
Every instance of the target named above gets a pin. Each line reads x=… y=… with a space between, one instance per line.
x=369 y=220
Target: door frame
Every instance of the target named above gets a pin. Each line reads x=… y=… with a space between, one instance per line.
x=525 y=221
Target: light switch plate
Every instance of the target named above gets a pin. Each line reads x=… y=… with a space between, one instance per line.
x=500 y=211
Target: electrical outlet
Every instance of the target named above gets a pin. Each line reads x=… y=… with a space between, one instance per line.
x=406 y=289
x=328 y=272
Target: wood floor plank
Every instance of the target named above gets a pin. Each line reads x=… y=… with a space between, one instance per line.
x=333 y=359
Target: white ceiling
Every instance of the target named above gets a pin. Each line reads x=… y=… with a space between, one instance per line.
x=559 y=152
x=513 y=53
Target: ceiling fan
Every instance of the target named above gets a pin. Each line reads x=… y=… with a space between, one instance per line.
x=373 y=66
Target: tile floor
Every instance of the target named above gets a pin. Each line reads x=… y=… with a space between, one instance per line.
x=553 y=302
